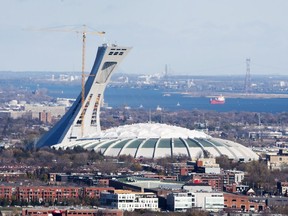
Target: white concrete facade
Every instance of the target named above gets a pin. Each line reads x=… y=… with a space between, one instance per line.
x=180 y=201
x=208 y=201
x=130 y=201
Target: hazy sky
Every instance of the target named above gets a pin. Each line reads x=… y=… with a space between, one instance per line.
x=195 y=37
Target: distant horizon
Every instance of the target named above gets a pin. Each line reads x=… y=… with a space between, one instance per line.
x=146 y=74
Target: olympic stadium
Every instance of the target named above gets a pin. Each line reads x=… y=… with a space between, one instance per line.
x=154 y=140
x=80 y=126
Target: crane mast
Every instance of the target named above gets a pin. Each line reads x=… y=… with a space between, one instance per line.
x=84 y=32
x=83 y=81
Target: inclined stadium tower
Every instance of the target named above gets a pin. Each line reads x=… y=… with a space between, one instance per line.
x=80 y=126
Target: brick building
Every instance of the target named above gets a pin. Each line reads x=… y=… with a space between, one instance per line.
x=216 y=181
x=50 y=193
x=7 y=192
x=243 y=203
x=46 y=193
x=70 y=212
x=94 y=192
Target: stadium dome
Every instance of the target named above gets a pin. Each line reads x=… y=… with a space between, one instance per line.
x=153 y=140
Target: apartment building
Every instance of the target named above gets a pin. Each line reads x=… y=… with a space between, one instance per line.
x=46 y=194
x=7 y=192
x=70 y=212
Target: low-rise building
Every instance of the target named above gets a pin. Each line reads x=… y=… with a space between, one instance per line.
x=181 y=201
x=216 y=181
x=209 y=201
x=277 y=161
x=243 y=202
x=47 y=194
x=193 y=187
x=207 y=165
x=234 y=176
x=35 y=109
x=129 y=201
x=95 y=192
x=282 y=187
x=70 y=212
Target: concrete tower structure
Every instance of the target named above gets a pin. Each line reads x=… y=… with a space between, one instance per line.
x=83 y=119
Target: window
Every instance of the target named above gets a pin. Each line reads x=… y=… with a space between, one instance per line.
x=106 y=71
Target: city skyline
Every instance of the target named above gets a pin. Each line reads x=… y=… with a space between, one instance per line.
x=191 y=37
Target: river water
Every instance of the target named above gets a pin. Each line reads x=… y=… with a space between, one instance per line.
x=152 y=98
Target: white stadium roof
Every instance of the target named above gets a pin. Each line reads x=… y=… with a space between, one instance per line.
x=155 y=140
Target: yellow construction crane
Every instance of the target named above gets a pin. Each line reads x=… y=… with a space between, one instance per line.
x=83 y=30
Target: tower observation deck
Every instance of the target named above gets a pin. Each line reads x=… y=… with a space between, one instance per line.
x=83 y=119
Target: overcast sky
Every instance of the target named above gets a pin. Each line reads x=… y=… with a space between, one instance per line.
x=195 y=37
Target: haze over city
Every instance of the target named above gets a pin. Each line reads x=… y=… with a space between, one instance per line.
x=191 y=37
